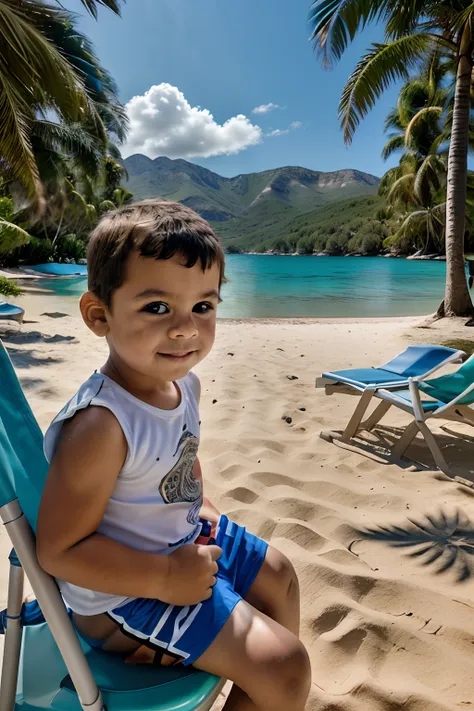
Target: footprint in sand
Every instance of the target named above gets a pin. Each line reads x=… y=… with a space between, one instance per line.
x=245 y=496
x=270 y=479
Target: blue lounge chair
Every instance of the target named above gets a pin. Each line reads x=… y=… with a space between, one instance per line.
x=415 y=362
x=46 y=666
x=449 y=397
x=9 y=312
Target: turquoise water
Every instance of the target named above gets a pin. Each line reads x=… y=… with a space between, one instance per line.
x=266 y=286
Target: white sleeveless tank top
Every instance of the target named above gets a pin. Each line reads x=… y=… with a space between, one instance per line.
x=156 y=501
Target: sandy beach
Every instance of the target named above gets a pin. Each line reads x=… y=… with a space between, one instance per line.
x=386 y=629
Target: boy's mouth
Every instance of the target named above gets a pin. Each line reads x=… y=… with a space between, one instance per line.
x=177 y=355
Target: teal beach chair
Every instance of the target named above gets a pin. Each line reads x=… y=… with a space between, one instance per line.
x=449 y=397
x=415 y=362
x=46 y=666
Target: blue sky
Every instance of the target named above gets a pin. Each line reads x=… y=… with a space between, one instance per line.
x=228 y=58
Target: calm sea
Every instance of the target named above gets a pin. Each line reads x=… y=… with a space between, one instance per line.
x=266 y=286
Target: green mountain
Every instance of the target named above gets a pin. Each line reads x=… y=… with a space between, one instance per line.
x=247 y=208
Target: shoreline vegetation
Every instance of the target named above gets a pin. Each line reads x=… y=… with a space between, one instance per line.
x=390 y=255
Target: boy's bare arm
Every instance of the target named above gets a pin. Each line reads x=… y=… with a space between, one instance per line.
x=208 y=510
x=81 y=479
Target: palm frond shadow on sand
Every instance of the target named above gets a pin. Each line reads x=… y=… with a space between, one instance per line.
x=444 y=541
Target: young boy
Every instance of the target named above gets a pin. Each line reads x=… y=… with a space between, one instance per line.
x=148 y=566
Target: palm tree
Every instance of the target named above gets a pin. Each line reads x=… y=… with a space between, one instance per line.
x=419 y=128
x=113 y=174
x=38 y=76
x=418 y=124
x=413 y=31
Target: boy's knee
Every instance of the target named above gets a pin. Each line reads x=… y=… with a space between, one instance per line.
x=291 y=679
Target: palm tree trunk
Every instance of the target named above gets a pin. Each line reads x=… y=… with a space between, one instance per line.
x=457 y=300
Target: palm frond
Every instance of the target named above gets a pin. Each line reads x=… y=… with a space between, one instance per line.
x=113 y=151
x=403 y=18
x=427 y=113
x=15 y=142
x=413 y=95
x=388 y=180
x=401 y=192
x=336 y=22
x=395 y=143
x=91 y=5
x=463 y=16
x=379 y=68
x=34 y=64
x=428 y=177
x=393 y=121
x=12 y=236
x=34 y=76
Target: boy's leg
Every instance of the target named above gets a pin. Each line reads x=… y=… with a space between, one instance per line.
x=267 y=663
x=276 y=591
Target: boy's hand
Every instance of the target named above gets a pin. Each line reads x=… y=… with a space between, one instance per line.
x=191 y=574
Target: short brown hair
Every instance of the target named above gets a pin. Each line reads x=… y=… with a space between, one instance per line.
x=155 y=229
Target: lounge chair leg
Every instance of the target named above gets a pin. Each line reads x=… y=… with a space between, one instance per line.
x=13 y=635
x=356 y=418
x=440 y=461
x=52 y=606
x=379 y=412
x=405 y=440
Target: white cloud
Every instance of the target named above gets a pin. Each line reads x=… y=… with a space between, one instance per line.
x=163 y=123
x=265 y=108
x=278 y=132
x=281 y=131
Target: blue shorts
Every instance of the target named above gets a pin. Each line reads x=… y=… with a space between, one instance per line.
x=186 y=632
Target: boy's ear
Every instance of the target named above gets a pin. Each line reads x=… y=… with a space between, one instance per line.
x=94 y=314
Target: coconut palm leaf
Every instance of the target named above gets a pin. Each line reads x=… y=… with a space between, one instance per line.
x=428 y=176
x=11 y=236
x=414 y=94
x=462 y=17
x=36 y=66
x=114 y=117
x=91 y=5
x=388 y=179
x=33 y=75
x=15 y=144
x=114 y=151
x=427 y=114
x=374 y=73
x=402 y=190
x=395 y=143
x=61 y=30
x=335 y=24
x=393 y=121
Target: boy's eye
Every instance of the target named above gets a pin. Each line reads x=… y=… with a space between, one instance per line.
x=156 y=307
x=203 y=308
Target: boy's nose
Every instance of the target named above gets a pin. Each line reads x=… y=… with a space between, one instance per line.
x=185 y=328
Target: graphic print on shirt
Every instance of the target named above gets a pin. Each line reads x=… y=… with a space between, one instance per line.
x=180 y=484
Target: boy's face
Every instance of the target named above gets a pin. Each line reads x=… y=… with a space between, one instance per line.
x=162 y=319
